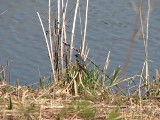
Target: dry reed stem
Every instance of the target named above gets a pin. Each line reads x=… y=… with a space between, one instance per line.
x=59 y=15
x=145 y=38
x=63 y=34
x=81 y=29
x=85 y=29
x=48 y=47
x=50 y=39
x=3 y=12
x=146 y=46
x=106 y=66
x=73 y=30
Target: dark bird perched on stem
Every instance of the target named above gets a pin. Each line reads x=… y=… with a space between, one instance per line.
x=81 y=63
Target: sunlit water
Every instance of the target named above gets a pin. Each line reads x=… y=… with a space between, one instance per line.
x=110 y=28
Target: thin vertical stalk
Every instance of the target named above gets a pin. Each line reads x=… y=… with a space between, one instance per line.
x=62 y=47
x=63 y=35
x=64 y=26
x=85 y=29
x=141 y=21
x=145 y=39
x=59 y=12
x=57 y=41
x=73 y=29
x=80 y=20
x=147 y=24
x=48 y=47
x=49 y=26
x=50 y=37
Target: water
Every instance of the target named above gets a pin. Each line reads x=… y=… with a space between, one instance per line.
x=110 y=28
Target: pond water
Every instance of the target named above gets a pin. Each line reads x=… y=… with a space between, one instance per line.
x=110 y=28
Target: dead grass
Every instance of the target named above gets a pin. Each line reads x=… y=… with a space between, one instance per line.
x=22 y=103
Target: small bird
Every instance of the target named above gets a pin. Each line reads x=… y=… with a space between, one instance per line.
x=81 y=63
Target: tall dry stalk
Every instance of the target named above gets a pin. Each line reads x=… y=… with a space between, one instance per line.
x=48 y=45
x=146 y=45
x=73 y=30
x=145 y=39
x=85 y=30
x=51 y=41
x=63 y=34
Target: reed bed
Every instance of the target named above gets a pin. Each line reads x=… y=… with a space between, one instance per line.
x=71 y=93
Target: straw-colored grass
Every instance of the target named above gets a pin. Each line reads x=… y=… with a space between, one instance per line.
x=21 y=103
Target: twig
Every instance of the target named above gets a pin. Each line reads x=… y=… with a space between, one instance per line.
x=3 y=12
